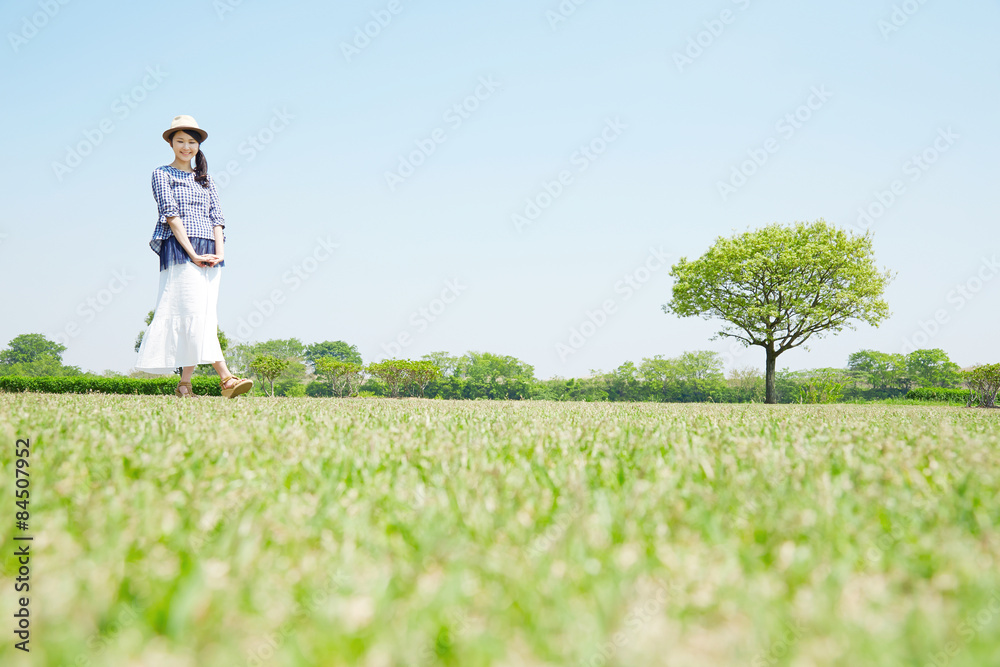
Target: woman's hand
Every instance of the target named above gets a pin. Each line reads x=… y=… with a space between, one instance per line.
x=205 y=260
x=218 y=258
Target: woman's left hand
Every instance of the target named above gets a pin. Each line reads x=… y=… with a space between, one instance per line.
x=215 y=259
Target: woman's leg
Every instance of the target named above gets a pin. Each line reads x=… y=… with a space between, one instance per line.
x=186 y=373
x=232 y=387
x=221 y=368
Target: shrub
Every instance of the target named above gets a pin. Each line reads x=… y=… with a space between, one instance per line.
x=268 y=367
x=318 y=389
x=984 y=384
x=953 y=396
x=116 y=385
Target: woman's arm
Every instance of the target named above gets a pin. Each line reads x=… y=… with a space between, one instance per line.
x=220 y=241
x=177 y=227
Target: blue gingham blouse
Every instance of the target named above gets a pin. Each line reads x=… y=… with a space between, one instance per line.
x=178 y=194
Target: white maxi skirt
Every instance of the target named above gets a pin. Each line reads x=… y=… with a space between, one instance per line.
x=183 y=329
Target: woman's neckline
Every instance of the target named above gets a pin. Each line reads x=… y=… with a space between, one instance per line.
x=180 y=170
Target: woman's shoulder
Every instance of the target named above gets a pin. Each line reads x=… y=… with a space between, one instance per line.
x=169 y=170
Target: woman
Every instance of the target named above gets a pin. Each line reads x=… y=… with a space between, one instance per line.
x=189 y=239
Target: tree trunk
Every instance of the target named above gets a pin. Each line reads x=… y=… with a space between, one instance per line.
x=770 y=395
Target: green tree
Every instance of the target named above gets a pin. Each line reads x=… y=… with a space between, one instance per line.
x=932 y=368
x=421 y=373
x=700 y=365
x=34 y=355
x=658 y=370
x=623 y=383
x=268 y=367
x=337 y=349
x=392 y=372
x=445 y=362
x=288 y=348
x=291 y=350
x=881 y=370
x=44 y=365
x=747 y=383
x=27 y=348
x=343 y=377
x=489 y=368
x=778 y=286
x=984 y=385
x=693 y=376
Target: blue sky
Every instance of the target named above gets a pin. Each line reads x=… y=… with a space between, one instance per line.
x=618 y=121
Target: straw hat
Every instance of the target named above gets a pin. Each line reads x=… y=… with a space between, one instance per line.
x=184 y=123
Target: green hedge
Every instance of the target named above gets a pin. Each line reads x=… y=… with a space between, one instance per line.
x=448 y=388
x=83 y=385
x=955 y=396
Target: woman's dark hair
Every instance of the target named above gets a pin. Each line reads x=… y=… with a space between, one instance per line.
x=200 y=161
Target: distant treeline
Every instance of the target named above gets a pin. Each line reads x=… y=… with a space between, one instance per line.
x=335 y=368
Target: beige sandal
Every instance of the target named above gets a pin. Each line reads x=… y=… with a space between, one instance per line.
x=185 y=394
x=233 y=386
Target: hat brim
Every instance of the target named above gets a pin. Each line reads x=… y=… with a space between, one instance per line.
x=189 y=130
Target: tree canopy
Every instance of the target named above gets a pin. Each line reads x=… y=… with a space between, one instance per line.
x=28 y=348
x=336 y=349
x=779 y=286
x=932 y=368
x=487 y=367
x=36 y=356
x=268 y=367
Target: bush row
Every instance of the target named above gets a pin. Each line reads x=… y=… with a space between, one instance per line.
x=459 y=388
x=86 y=384
x=953 y=396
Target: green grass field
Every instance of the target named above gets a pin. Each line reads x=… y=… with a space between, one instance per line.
x=378 y=532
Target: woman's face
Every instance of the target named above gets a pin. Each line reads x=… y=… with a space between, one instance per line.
x=185 y=146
